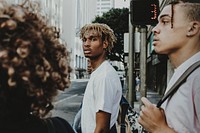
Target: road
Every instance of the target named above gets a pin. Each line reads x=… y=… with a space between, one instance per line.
x=67 y=103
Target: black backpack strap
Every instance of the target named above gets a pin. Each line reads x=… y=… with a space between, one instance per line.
x=178 y=83
x=48 y=122
x=124 y=109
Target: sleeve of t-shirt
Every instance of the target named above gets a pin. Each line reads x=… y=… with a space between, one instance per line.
x=104 y=94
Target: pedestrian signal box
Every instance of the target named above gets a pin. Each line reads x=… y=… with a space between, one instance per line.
x=144 y=12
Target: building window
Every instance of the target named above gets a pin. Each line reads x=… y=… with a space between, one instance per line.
x=76 y=65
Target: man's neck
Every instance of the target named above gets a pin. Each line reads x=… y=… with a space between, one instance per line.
x=178 y=59
x=182 y=54
x=95 y=64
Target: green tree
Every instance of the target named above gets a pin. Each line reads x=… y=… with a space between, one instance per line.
x=117 y=19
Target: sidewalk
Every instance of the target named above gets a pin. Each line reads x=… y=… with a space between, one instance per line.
x=80 y=80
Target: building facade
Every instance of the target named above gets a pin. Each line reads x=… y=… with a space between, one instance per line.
x=85 y=11
x=104 y=6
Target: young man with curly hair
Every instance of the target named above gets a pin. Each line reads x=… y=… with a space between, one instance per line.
x=34 y=65
x=178 y=35
x=103 y=92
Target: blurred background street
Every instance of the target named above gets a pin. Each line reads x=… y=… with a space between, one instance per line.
x=133 y=54
x=67 y=103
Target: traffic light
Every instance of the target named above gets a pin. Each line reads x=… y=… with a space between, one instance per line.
x=144 y=12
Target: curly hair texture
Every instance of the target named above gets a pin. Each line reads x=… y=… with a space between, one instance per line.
x=34 y=63
x=103 y=30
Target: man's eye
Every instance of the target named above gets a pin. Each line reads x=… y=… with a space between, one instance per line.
x=84 y=39
x=93 y=39
x=165 y=22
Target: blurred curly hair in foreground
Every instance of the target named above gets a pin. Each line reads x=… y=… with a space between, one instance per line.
x=34 y=63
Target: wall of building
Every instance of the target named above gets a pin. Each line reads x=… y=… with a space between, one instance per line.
x=85 y=11
x=104 y=6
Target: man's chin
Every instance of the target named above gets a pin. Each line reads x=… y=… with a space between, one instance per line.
x=87 y=56
x=91 y=57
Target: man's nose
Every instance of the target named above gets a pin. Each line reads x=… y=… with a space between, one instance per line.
x=155 y=29
x=87 y=42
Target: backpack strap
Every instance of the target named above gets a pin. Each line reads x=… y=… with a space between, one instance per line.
x=124 y=109
x=178 y=83
x=48 y=122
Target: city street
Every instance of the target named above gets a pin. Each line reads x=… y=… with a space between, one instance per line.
x=67 y=103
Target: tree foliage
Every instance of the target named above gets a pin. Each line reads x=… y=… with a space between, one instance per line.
x=117 y=19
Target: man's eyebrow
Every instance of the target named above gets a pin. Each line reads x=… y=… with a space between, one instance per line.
x=91 y=36
x=164 y=15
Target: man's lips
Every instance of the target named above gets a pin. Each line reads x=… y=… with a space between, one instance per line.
x=155 y=40
x=87 y=51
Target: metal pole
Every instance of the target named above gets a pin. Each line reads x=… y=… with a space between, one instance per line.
x=131 y=65
x=143 y=61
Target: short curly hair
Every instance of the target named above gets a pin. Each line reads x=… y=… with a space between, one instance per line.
x=103 y=30
x=34 y=62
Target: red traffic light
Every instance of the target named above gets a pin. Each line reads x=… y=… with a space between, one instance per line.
x=144 y=12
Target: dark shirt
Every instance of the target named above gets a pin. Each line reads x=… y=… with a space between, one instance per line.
x=36 y=125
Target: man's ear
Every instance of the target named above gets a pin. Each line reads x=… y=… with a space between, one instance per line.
x=194 y=28
x=105 y=44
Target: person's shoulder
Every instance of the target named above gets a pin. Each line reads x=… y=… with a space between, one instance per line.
x=195 y=74
x=61 y=125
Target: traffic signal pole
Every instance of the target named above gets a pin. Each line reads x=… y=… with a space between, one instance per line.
x=143 y=61
x=131 y=79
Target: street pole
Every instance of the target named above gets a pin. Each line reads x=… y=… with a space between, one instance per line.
x=143 y=63
x=131 y=79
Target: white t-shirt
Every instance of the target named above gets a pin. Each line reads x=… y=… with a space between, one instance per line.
x=103 y=92
x=183 y=109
